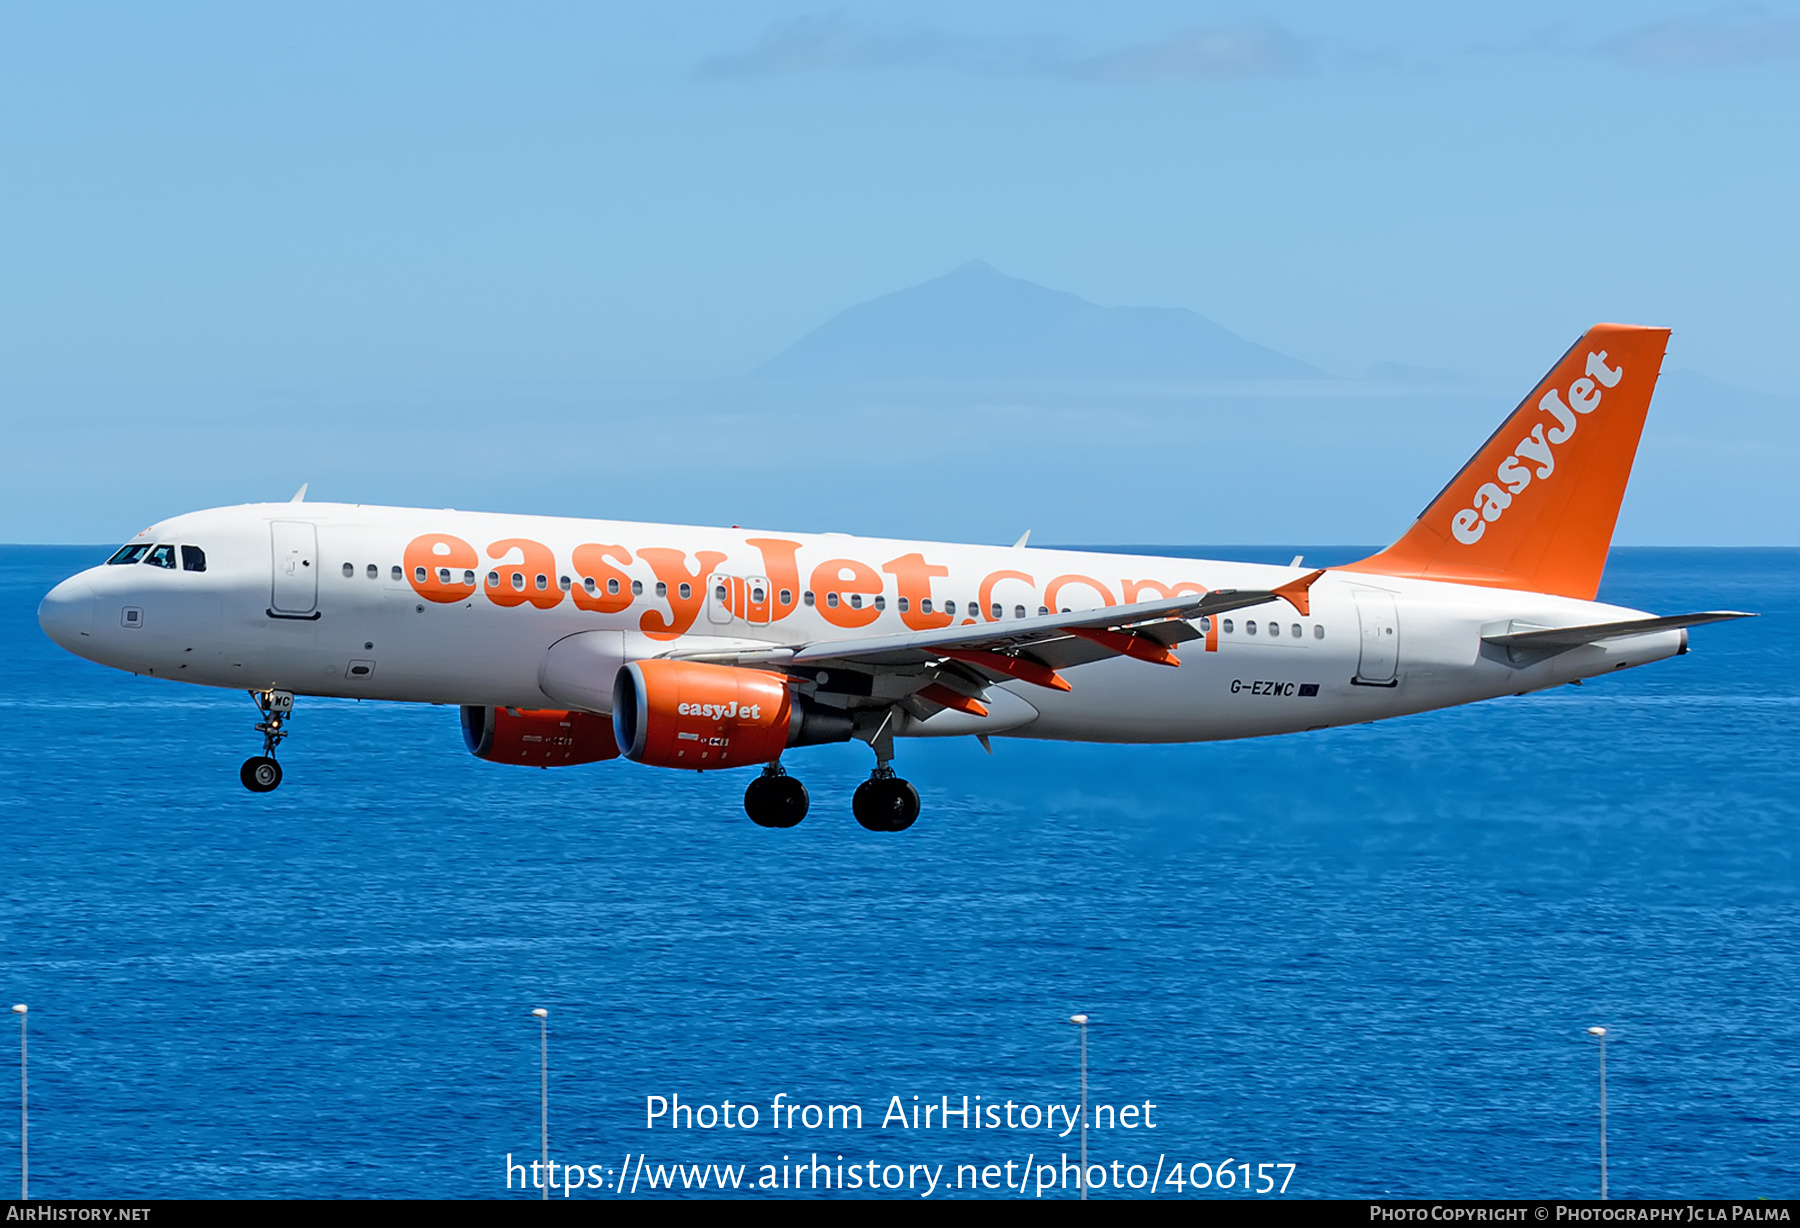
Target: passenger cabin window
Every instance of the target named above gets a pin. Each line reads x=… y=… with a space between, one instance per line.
x=162 y=556
x=1319 y=631
x=637 y=587
x=662 y=589
x=193 y=558
x=374 y=572
x=396 y=575
x=687 y=592
x=904 y=605
x=128 y=554
x=807 y=596
x=349 y=570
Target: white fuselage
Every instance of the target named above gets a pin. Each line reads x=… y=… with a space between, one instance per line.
x=326 y=599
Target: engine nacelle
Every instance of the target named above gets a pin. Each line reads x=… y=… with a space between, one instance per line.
x=685 y=714
x=537 y=737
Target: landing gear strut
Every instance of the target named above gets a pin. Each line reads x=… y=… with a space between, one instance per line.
x=884 y=802
x=775 y=799
x=261 y=774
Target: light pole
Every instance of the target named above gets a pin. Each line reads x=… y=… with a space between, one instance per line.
x=1081 y=1021
x=543 y=1018
x=1601 y=1033
x=24 y=1118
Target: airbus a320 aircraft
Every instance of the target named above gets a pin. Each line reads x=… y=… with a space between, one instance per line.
x=571 y=641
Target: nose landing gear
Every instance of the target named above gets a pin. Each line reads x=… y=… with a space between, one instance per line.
x=261 y=774
x=775 y=799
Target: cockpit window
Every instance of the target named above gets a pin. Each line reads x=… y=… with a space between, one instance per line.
x=193 y=558
x=162 y=556
x=129 y=554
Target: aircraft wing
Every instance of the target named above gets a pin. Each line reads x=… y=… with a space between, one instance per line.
x=972 y=657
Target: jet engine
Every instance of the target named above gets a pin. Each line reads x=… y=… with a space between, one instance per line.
x=537 y=737
x=685 y=714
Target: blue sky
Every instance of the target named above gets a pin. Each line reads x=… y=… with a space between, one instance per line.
x=288 y=219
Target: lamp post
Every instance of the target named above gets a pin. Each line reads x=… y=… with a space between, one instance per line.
x=24 y=1118
x=543 y=1018
x=1081 y=1021
x=1601 y=1033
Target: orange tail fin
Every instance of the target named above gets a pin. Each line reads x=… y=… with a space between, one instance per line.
x=1534 y=509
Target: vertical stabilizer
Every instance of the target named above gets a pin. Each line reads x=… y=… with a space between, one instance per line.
x=1535 y=507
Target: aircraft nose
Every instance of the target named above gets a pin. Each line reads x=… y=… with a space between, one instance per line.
x=67 y=613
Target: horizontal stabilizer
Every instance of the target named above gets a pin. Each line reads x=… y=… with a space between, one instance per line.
x=1560 y=639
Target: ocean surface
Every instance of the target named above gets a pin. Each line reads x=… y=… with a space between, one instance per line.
x=1371 y=953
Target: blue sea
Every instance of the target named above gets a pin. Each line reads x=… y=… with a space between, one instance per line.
x=1369 y=953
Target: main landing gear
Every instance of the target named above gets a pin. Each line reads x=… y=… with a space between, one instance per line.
x=884 y=802
x=775 y=799
x=261 y=774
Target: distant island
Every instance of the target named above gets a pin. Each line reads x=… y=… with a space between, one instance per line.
x=976 y=323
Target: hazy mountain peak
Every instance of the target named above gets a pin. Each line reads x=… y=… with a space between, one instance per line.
x=977 y=323
x=1401 y=373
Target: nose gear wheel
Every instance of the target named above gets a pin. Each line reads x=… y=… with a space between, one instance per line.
x=260 y=774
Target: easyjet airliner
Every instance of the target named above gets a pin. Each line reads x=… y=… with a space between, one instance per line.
x=571 y=641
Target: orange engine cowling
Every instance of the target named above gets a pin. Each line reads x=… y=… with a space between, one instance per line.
x=537 y=737
x=686 y=714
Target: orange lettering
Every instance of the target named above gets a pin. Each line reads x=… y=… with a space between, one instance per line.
x=1131 y=590
x=590 y=564
x=912 y=575
x=670 y=567
x=1056 y=587
x=531 y=579
x=782 y=571
x=829 y=577
x=987 y=589
x=429 y=557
